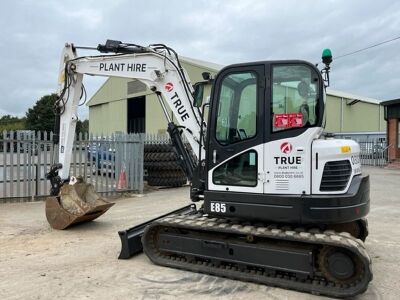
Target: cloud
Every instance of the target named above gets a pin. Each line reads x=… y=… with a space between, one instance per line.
x=90 y=18
x=34 y=32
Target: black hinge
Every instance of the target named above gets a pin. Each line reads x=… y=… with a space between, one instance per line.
x=263 y=82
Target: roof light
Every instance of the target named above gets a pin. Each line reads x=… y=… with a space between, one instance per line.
x=327 y=56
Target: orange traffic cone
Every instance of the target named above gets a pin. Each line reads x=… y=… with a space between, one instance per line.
x=122 y=183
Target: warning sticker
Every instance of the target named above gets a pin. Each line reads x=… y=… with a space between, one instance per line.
x=291 y=120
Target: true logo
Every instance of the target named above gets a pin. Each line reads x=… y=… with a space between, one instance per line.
x=169 y=86
x=286 y=147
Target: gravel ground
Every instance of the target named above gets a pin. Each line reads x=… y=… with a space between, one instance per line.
x=37 y=262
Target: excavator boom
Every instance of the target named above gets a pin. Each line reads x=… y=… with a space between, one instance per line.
x=159 y=68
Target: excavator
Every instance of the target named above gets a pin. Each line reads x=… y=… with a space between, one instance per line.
x=276 y=201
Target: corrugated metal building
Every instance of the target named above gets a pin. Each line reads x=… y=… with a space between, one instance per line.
x=128 y=106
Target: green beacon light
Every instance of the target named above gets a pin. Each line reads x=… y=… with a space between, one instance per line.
x=327 y=56
x=326 y=59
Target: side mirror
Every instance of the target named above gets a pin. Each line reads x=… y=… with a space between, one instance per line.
x=198 y=94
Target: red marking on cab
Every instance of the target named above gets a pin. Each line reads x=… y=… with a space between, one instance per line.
x=169 y=86
x=286 y=147
x=291 y=120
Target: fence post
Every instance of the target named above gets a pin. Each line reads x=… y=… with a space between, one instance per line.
x=4 y=164
x=31 y=151
x=37 y=175
x=141 y=160
x=18 y=163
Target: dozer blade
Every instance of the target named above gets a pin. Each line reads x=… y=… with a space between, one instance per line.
x=75 y=204
x=131 y=239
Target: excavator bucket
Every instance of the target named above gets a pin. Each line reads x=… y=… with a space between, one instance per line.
x=75 y=204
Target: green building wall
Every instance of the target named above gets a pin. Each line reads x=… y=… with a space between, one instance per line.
x=108 y=117
x=359 y=117
x=108 y=108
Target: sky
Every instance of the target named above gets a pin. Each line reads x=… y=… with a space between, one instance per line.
x=34 y=32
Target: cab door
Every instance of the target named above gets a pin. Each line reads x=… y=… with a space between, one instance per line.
x=235 y=154
x=294 y=114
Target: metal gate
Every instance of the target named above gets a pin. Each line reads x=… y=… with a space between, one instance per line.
x=374 y=153
x=373 y=146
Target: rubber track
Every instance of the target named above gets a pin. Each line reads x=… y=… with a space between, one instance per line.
x=166 y=178
x=162 y=156
x=161 y=147
x=316 y=285
x=167 y=174
x=158 y=148
x=163 y=165
x=168 y=181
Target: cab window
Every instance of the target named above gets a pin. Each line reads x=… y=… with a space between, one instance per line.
x=240 y=170
x=237 y=108
x=294 y=97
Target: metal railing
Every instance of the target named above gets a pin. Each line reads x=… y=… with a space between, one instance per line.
x=374 y=153
x=373 y=147
x=113 y=164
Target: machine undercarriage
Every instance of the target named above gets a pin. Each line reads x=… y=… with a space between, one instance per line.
x=319 y=259
x=319 y=262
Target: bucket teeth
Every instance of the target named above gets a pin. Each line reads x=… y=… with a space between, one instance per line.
x=75 y=204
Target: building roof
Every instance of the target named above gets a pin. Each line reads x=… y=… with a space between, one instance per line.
x=390 y=102
x=201 y=63
x=349 y=96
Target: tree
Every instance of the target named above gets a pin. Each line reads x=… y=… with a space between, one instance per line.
x=82 y=126
x=8 y=122
x=41 y=116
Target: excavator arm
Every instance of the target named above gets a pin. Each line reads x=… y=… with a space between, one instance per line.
x=158 y=67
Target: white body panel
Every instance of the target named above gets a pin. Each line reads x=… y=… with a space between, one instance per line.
x=288 y=166
x=275 y=177
x=330 y=150
x=288 y=169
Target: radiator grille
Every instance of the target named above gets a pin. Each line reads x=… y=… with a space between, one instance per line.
x=336 y=176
